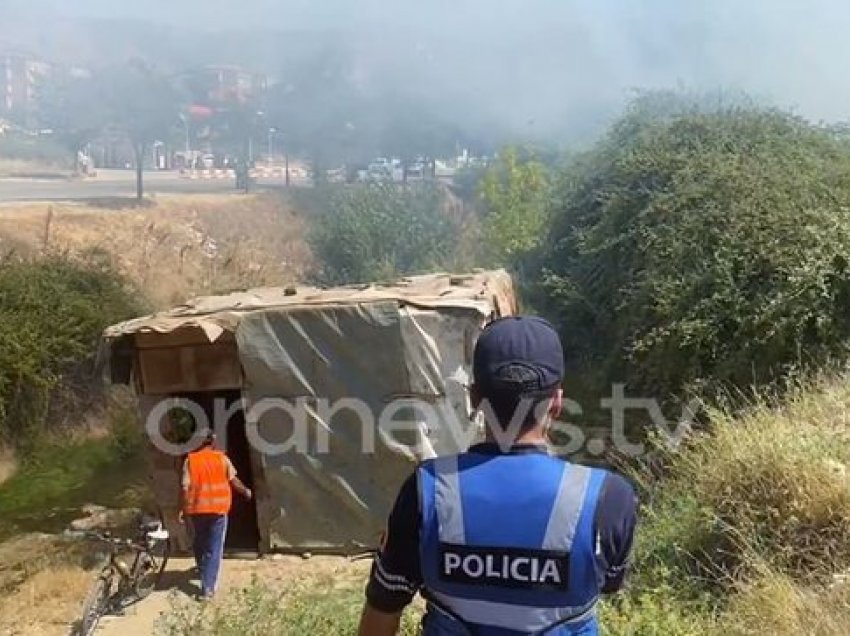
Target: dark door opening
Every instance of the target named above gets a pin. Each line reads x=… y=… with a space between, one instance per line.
x=243 y=533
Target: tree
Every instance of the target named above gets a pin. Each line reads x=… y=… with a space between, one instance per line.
x=698 y=248
x=378 y=232
x=514 y=193
x=70 y=107
x=235 y=131
x=142 y=104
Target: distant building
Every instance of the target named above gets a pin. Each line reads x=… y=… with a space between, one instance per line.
x=19 y=78
x=224 y=85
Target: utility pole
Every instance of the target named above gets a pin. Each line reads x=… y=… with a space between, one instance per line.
x=286 y=159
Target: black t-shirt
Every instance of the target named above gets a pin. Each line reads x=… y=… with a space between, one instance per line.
x=396 y=573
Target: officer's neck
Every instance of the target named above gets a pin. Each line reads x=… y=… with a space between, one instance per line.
x=535 y=436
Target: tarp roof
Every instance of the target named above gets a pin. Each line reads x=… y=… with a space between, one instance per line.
x=483 y=291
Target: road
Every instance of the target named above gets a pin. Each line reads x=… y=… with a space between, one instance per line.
x=111 y=184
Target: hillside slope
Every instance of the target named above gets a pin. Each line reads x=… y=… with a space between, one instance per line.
x=177 y=247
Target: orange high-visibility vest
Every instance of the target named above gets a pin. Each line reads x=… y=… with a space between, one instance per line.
x=209 y=489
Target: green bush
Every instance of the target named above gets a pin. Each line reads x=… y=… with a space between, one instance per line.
x=52 y=312
x=514 y=193
x=378 y=232
x=698 y=248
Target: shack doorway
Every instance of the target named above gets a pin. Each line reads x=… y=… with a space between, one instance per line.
x=243 y=533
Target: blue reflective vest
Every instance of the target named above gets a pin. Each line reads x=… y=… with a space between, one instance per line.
x=507 y=545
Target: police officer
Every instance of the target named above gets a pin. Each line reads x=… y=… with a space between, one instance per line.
x=505 y=539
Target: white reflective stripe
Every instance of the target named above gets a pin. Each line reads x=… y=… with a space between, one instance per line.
x=566 y=511
x=447 y=500
x=392 y=581
x=207 y=488
x=520 y=618
x=393 y=585
x=203 y=502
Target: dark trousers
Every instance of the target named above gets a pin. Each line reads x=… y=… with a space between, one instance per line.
x=208 y=544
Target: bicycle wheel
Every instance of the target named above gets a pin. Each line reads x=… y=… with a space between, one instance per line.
x=150 y=567
x=97 y=602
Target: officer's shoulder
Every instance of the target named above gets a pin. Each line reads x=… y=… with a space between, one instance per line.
x=617 y=486
x=612 y=480
x=429 y=462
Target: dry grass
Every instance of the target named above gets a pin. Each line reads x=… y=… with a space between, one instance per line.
x=748 y=531
x=777 y=484
x=47 y=603
x=176 y=248
x=41 y=583
x=774 y=604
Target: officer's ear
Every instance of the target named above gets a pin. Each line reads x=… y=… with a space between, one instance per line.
x=556 y=406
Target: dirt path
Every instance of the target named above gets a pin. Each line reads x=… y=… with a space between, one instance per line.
x=178 y=586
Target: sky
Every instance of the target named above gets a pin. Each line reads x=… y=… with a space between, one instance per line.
x=538 y=63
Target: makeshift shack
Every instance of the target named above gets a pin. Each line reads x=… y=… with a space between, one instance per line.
x=305 y=388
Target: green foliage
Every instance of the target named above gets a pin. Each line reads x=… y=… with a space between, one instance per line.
x=515 y=193
x=698 y=248
x=52 y=312
x=62 y=473
x=654 y=612
x=378 y=232
x=258 y=610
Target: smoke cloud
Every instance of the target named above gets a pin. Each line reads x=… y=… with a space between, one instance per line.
x=535 y=69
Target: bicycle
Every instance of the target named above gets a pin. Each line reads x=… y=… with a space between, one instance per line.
x=119 y=582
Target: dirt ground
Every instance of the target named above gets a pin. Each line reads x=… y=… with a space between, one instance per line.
x=176 y=247
x=277 y=572
x=50 y=601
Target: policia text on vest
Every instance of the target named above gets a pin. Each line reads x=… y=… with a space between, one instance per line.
x=505 y=567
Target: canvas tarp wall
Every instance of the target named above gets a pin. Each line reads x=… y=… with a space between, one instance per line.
x=331 y=468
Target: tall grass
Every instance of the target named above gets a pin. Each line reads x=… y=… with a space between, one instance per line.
x=748 y=529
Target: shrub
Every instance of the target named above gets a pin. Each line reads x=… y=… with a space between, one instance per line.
x=702 y=248
x=514 y=192
x=378 y=232
x=52 y=312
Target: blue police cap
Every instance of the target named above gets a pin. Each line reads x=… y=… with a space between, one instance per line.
x=519 y=354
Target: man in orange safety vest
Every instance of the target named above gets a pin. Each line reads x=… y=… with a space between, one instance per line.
x=208 y=476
